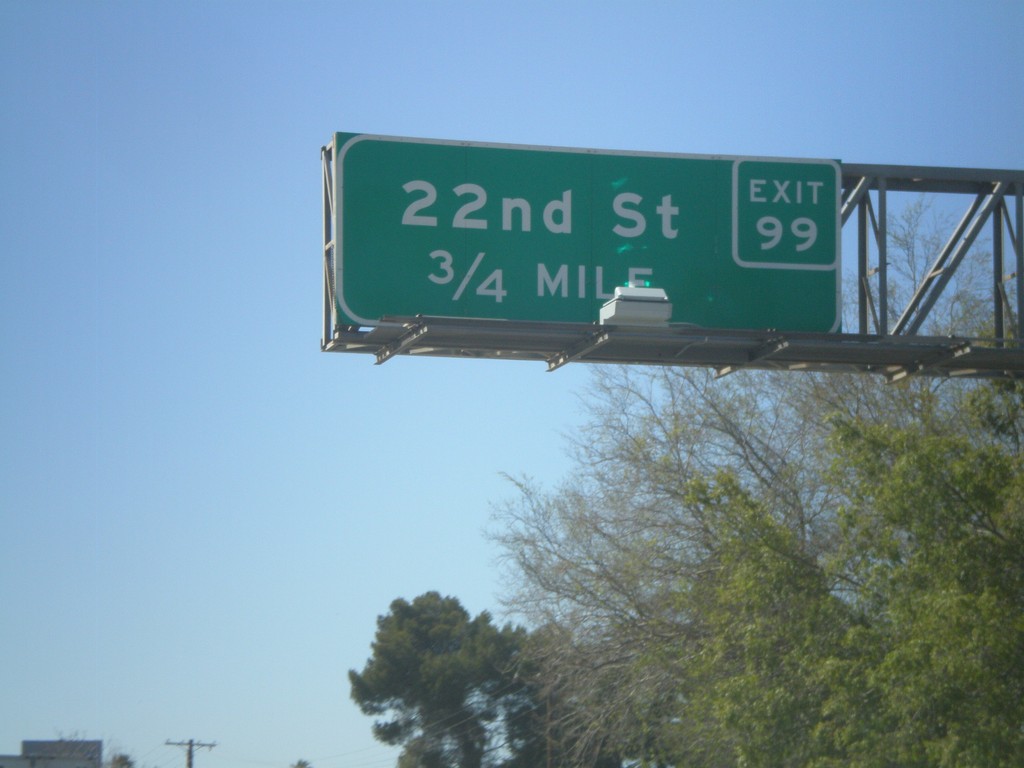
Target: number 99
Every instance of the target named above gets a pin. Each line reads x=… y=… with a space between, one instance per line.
x=770 y=228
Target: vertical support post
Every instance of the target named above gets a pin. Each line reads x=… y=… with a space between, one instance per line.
x=1019 y=248
x=883 y=259
x=327 y=161
x=998 y=310
x=862 y=266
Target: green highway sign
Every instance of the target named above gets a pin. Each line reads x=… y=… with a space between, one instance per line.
x=458 y=229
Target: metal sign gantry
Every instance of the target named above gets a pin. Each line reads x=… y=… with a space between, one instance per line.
x=894 y=348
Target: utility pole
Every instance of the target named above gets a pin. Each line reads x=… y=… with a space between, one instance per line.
x=192 y=745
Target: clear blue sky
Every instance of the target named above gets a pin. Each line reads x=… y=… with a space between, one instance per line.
x=202 y=515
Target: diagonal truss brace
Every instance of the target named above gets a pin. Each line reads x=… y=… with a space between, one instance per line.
x=586 y=345
x=925 y=364
x=402 y=343
x=949 y=258
x=766 y=350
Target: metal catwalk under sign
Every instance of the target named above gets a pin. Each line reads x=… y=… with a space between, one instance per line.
x=889 y=341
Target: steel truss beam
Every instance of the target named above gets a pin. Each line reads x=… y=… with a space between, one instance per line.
x=894 y=353
x=994 y=192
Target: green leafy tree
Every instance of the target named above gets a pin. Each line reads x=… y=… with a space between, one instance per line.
x=776 y=572
x=629 y=565
x=448 y=686
x=933 y=547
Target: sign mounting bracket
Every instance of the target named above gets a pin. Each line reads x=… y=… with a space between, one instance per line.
x=415 y=332
x=586 y=345
x=761 y=352
x=955 y=351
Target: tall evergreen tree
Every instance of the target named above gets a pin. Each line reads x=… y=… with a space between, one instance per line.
x=447 y=686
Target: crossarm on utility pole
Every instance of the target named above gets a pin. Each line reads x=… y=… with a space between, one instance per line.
x=191 y=745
